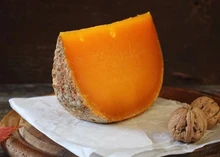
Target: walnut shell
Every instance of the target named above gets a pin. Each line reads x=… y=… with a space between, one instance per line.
x=187 y=124
x=210 y=108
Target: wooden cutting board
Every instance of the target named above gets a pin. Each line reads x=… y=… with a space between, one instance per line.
x=29 y=142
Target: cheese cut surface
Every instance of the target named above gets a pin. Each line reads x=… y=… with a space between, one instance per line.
x=115 y=71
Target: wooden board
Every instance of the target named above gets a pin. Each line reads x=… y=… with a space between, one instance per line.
x=29 y=142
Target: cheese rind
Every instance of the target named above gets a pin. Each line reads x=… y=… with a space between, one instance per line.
x=65 y=88
x=112 y=72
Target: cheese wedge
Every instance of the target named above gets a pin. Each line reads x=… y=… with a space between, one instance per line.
x=110 y=72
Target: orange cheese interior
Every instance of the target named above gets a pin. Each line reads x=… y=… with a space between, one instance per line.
x=118 y=67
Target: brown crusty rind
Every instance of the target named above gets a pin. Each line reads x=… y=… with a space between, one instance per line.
x=66 y=90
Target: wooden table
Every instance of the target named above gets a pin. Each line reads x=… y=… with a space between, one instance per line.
x=8 y=91
x=28 y=90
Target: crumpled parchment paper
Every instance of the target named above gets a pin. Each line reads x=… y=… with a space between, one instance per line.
x=143 y=135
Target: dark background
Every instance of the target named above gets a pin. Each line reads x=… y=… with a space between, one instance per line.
x=188 y=31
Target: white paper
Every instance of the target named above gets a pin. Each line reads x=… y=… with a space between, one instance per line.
x=143 y=135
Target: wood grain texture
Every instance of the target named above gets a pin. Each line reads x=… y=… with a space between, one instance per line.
x=40 y=141
x=8 y=91
x=188 y=32
x=30 y=142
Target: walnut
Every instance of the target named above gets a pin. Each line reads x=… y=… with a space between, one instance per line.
x=210 y=108
x=187 y=124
